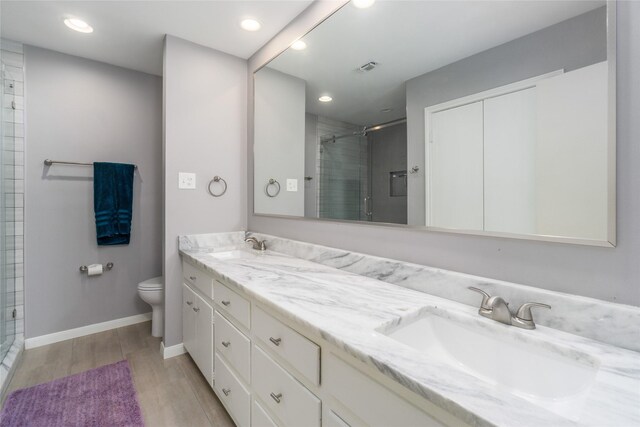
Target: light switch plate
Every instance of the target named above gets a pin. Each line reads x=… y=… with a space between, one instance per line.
x=292 y=184
x=186 y=181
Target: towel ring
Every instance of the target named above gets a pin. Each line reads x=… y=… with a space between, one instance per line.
x=269 y=184
x=217 y=179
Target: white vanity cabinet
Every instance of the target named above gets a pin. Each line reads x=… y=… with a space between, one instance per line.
x=260 y=363
x=231 y=303
x=234 y=346
x=197 y=329
x=301 y=353
x=188 y=319
x=281 y=393
x=260 y=417
x=233 y=393
x=272 y=372
x=366 y=401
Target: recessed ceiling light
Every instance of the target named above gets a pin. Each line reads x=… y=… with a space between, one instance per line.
x=78 y=25
x=325 y=98
x=363 y=4
x=250 y=25
x=299 y=45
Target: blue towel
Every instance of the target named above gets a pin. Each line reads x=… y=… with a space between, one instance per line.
x=113 y=202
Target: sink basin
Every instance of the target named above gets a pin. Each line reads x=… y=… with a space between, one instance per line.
x=510 y=361
x=233 y=254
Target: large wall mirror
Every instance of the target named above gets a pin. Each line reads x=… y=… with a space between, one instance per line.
x=482 y=117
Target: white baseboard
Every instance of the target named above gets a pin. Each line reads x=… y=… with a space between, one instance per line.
x=172 y=351
x=85 y=330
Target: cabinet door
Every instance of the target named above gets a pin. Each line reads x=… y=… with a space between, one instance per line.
x=204 y=338
x=370 y=401
x=188 y=319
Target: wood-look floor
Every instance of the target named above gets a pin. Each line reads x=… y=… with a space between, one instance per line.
x=171 y=392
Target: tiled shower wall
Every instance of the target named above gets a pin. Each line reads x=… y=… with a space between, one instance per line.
x=13 y=182
x=13 y=178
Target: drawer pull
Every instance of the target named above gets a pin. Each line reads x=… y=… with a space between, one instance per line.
x=276 y=397
x=226 y=343
x=196 y=309
x=226 y=391
x=226 y=303
x=189 y=302
x=275 y=341
x=192 y=278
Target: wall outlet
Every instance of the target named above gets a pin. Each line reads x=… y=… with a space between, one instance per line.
x=292 y=184
x=186 y=181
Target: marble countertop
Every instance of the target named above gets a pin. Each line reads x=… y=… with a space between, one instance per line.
x=352 y=312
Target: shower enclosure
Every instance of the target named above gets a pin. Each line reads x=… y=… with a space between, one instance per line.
x=362 y=173
x=343 y=176
x=7 y=226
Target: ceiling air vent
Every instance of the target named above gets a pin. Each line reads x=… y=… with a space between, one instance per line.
x=368 y=66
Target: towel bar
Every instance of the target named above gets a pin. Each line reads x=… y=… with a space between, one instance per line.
x=49 y=162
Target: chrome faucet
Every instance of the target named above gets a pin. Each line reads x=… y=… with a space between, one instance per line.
x=259 y=245
x=496 y=308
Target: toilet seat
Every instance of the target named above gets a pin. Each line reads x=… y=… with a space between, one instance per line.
x=154 y=284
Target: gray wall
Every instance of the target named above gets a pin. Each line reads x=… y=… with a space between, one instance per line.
x=388 y=153
x=611 y=274
x=280 y=141
x=205 y=116
x=310 y=169
x=572 y=44
x=82 y=110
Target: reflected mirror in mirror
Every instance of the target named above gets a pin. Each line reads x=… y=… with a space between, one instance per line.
x=492 y=117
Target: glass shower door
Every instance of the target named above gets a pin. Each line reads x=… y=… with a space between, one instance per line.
x=343 y=178
x=7 y=196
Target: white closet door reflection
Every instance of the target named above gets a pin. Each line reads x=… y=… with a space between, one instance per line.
x=455 y=198
x=572 y=154
x=509 y=159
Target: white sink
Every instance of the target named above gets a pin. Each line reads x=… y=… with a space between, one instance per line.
x=233 y=254
x=519 y=366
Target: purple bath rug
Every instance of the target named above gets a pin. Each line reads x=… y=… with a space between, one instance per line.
x=104 y=397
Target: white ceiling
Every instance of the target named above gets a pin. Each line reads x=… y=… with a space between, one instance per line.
x=407 y=39
x=130 y=33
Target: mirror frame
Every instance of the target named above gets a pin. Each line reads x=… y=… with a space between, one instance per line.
x=610 y=241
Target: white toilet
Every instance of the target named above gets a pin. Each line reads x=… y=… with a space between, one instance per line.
x=152 y=292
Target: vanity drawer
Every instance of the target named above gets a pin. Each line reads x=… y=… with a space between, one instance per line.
x=231 y=391
x=233 y=345
x=232 y=303
x=281 y=393
x=260 y=418
x=296 y=349
x=198 y=278
x=331 y=419
x=370 y=401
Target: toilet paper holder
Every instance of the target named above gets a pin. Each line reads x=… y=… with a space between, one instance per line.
x=106 y=267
